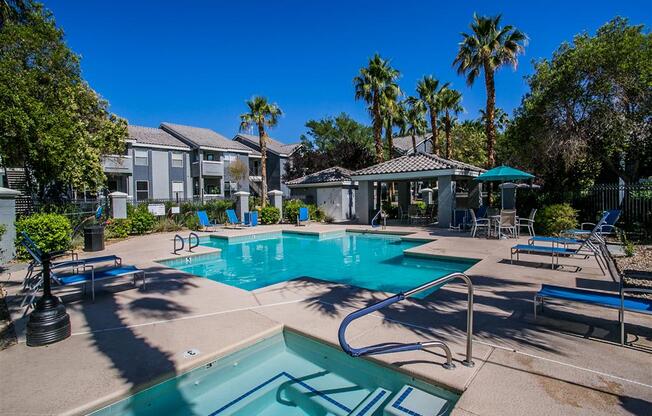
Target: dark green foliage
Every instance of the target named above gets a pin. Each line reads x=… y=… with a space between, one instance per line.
x=192 y=222
x=332 y=141
x=291 y=209
x=51 y=122
x=269 y=215
x=553 y=219
x=50 y=232
x=117 y=228
x=165 y=224
x=216 y=209
x=142 y=221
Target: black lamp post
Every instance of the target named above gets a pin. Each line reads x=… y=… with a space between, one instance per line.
x=48 y=323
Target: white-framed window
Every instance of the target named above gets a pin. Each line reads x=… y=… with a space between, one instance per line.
x=177 y=190
x=177 y=160
x=230 y=158
x=142 y=190
x=141 y=157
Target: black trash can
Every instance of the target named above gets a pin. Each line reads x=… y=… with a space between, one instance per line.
x=94 y=238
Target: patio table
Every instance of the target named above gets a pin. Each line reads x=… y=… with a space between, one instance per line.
x=495 y=221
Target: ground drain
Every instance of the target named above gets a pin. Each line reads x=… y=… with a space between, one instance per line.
x=191 y=353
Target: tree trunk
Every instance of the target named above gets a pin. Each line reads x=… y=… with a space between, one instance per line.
x=435 y=133
x=263 y=164
x=490 y=128
x=378 y=128
x=388 y=137
x=447 y=127
x=414 y=144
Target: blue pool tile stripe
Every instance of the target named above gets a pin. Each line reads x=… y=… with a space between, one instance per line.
x=271 y=380
x=399 y=401
x=371 y=404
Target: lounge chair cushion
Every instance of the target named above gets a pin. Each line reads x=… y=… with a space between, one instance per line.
x=609 y=300
x=112 y=273
x=560 y=240
x=543 y=249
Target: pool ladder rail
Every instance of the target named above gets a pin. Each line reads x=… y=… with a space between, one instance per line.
x=383 y=217
x=177 y=237
x=393 y=347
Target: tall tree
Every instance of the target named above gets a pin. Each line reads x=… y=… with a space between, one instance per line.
x=263 y=115
x=451 y=102
x=415 y=118
x=370 y=85
x=486 y=48
x=51 y=122
x=429 y=91
x=391 y=112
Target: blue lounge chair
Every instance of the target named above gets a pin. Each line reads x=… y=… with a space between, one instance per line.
x=232 y=219
x=608 y=226
x=303 y=216
x=251 y=218
x=205 y=222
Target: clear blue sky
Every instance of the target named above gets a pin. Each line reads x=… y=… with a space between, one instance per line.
x=196 y=62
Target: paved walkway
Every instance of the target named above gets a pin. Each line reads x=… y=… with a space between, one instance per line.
x=567 y=362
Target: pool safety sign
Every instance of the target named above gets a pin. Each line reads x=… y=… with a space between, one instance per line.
x=156 y=209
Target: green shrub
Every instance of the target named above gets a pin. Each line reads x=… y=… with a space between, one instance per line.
x=553 y=219
x=142 y=221
x=216 y=209
x=117 y=228
x=50 y=232
x=421 y=205
x=190 y=207
x=269 y=215
x=165 y=225
x=192 y=222
x=316 y=213
x=291 y=209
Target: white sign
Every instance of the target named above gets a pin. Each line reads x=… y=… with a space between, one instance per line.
x=175 y=210
x=156 y=209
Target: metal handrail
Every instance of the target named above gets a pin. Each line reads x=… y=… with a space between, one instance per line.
x=379 y=213
x=190 y=245
x=178 y=237
x=400 y=347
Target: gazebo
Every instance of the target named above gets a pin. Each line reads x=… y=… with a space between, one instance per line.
x=420 y=167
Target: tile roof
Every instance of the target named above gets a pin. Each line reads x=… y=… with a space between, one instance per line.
x=154 y=136
x=273 y=145
x=419 y=162
x=334 y=174
x=404 y=143
x=203 y=137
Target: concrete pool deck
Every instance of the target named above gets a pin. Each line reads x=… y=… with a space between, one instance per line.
x=566 y=362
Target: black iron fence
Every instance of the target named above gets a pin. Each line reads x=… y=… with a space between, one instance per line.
x=634 y=200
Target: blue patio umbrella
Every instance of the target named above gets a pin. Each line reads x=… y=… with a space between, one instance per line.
x=504 y=174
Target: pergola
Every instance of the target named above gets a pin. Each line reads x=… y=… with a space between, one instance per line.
x=420 y=167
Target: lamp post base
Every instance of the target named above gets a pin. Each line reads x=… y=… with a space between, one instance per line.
x=48 y=323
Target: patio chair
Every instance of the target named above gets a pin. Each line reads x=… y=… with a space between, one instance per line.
x=251 y=219
x=608 y=227
x=205 y=222
x=402 y=215
x=478 y=224
x=303 y=216
x=482 y=211
x=528 y=223
x=232 y=219
x=507 y=221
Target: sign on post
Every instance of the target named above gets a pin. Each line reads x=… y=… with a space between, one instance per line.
x=156 y=209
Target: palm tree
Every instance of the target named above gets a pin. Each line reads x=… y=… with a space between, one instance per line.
x=370 y=85
x=415 y=119
x=487 y=48
x=429 y=91
x=391 y=113
x=501 y=119
x=262 y=114
x=451 y=102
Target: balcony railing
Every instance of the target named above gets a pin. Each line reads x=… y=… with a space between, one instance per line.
x=209 y=168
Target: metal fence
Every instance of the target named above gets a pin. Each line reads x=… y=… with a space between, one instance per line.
x=634 y=200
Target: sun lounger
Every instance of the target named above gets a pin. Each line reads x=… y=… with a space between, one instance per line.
x=303 y=216
x=205 y=222
x=232 y=219
x=607 y=225
x=592 y=297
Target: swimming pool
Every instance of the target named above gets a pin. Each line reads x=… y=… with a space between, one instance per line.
x=288 y=375
x=371 y=261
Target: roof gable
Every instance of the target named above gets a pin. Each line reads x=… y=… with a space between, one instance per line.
x=420 y=162
x=154 y=136
x=273 y=145
x=334 y=174
x=202 y=137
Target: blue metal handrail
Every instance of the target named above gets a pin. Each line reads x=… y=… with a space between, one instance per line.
x=379 y=213
x=179 y=238
x=400 y=347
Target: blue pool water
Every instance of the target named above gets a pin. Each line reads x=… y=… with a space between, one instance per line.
x=371 y=261
x=287 y=375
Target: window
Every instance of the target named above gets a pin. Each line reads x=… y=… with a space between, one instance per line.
x=230 y=188
x=177 y=190
x=142 y=190
x=212 y=186
x=209 y=157
x=141 y=157
x=177 y=160
x=230 y=158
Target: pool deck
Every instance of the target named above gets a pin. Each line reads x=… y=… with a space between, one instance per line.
x=567 y=362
